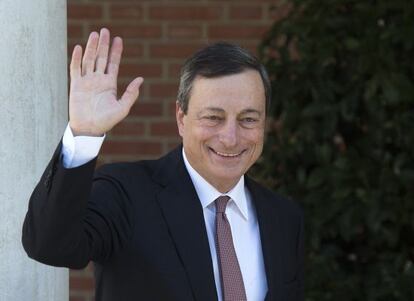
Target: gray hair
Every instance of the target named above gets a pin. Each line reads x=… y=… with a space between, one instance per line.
x=217 y=60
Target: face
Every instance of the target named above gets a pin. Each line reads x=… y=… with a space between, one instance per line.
x=223 y=129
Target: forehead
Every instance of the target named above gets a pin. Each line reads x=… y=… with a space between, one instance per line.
x=236 y=91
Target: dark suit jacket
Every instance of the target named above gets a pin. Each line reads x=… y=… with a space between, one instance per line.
x=142 y=224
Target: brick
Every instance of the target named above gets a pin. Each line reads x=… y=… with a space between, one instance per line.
x=237 y=32
x=131 y=148
x=81 y=283
x=132 y=50
x=277 y=13
x=167 y=128
x=140 y=69
x=146 y=109
x=76 y=298
x=125 y=11
x=165 y=12
x=141 y=31
x=172 y=145
x=75 y=31
x=119 y=1
x=171 y=108
x=164 y=90
x=174 y=70
x=246 y=12
x=251 y=46
x=127 y=128
x=250 y=1
x=171 y=50
x=84 y=11
x=131 y=31
x=184 y=31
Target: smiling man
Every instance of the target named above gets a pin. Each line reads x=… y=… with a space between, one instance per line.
x=223 y=126
x=188 y=226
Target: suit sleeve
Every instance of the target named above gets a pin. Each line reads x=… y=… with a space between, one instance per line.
x=74 y=217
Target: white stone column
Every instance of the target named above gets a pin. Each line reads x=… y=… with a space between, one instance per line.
x=33 y=114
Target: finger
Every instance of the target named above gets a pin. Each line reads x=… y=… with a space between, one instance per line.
x=75 y=63
x=102 y=52
x=131 y=94
x=115 y=56
x=88 y=62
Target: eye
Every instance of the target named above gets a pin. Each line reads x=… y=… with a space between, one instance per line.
x=211 y=120
x=249 y=119
x=249 y=122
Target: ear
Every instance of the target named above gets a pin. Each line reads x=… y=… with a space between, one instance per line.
x=179 y=115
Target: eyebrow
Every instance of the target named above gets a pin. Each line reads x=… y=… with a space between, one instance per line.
x=251 y=111
x=214 y=109
x=245 y=111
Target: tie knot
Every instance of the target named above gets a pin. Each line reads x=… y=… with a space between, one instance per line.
x=221 y=203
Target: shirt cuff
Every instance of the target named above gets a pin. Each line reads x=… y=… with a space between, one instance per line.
x=79 y=150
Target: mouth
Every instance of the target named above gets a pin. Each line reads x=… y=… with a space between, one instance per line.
x=227 y=155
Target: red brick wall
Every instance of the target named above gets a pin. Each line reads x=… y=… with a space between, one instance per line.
x=158 y=35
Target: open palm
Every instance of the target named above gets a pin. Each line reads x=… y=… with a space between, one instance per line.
x=93 y=104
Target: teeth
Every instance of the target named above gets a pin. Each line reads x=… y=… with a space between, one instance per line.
x=227 y=155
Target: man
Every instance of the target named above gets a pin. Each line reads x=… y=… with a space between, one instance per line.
x=189 y=226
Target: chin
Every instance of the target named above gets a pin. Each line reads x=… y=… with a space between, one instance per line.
x=230 y=179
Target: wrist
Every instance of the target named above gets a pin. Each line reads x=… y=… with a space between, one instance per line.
x=84 y=132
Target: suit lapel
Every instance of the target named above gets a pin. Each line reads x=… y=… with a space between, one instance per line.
x=183 y=213
x=271 y=238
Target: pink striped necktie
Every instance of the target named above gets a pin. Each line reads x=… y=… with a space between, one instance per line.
x=231 y=278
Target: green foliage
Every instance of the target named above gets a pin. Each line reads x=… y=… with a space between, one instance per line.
x=341 y=141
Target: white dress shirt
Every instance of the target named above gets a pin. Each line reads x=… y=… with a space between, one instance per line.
x=79 y=150
x=240 y=212
x=244 y=228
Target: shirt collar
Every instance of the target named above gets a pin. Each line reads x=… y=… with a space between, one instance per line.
x=208 y=194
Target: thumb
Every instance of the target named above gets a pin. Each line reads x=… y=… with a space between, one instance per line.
x=131 y=94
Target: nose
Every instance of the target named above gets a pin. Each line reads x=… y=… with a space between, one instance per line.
x=229 y=134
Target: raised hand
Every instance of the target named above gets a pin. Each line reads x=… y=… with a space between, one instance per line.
x=93 y=105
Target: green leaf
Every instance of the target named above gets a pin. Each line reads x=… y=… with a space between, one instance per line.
x=346 y=148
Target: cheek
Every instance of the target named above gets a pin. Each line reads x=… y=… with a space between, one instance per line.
x=254 y=137
x=197 y=138
x=203 y=134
